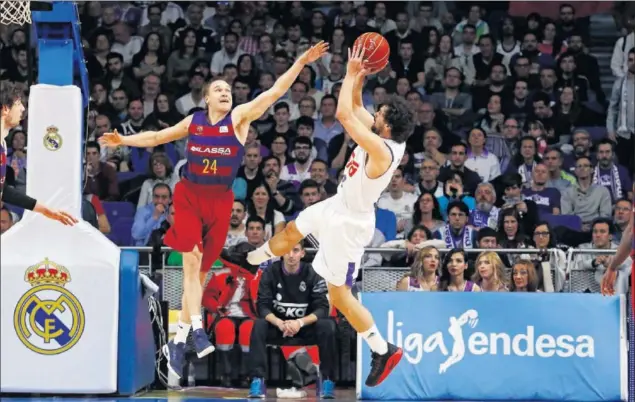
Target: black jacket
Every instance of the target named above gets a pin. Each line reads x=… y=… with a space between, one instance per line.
x=292 y=296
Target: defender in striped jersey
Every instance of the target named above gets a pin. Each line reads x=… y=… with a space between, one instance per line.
x=203 y=199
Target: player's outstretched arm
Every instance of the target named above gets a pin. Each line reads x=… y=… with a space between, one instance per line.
x=147 y=138
x=251 y=111
x=360 y=111
x=380 y=156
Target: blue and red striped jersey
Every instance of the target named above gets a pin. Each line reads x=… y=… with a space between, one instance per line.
x=214 y=154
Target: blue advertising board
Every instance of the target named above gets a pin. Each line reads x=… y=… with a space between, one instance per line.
x=499 y=346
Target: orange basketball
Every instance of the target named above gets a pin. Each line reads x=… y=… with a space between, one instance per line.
x=376 y=51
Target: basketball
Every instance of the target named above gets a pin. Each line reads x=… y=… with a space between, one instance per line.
x=376 y=50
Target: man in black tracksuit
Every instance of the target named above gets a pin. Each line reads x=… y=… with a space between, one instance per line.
x=292 y=309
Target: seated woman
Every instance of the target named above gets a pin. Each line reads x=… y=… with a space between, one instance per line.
x=453 y=273
x=489 y=275
x=161 y=171
x=416 y=236
x=423 y=273
x=524 y=278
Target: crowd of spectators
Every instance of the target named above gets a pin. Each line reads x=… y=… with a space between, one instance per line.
x=516 y=144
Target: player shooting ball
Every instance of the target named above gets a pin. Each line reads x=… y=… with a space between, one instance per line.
x=203 y=199
x=11 y=117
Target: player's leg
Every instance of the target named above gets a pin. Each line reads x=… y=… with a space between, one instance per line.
x=184 y=236
x=307 y=222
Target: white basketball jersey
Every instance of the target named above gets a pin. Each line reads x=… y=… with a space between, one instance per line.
x=357 y=191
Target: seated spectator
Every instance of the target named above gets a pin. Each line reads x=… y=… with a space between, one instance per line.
x=250 y=170
x=455 y=105
x=582 y=146
x=609 y=174
x=237 y=227
x=415 y=240
x=398 y=201
x=284 y=192
x=305 y=125
x=101 y=178
x=428 y=179
x=150 y=216
x=278 y=147
x=293 y=307
x=587 y=200
x=601 y=230
x=620 y=123
x=298 y=171
x=458 y=156
x=479 y=159
x=488 y=238
x=547 y=199
x=456 y=233
x=230 y=302
x=309 y=193
x=485 y=213
x=186 y=52
x=621 y=216
x=194 y=98
x=435 y=66
x=161 y=171
x=454 y=273
x=525 y=160
x=262 y=204
x=550 y=259
x=6 y=220
x=558 y=178
x=320 y=174
x=453 y=191
x=426 y=212
x=511 y=234
x=570 y=77
x=125 y=43
x=423 y=275
x=432 y=142
x=151 y=59
x=489 y=275
x=523 y=278
x=526 y=210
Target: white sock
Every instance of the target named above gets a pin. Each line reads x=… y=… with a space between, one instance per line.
x=197 y=322
x=182 y=329
x=260 y=255
x=375 y=341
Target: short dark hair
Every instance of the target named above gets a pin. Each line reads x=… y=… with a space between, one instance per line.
x=255 y=219
x=607 y=221
x=230 y=33
x=308 y=183
x=305 y=121
x=114 y=55
x=606 y=141
x=270 y=157
x=303 y=141
x=399 y=118
x=8 y=211
x=93 y=144
x=281 y=105
x=460 y=205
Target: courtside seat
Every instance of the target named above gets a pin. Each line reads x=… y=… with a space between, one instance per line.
x=122 y=231
x=573 y=222
x=118 y=210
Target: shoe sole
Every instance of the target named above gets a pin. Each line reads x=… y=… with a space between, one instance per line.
x=390 y=365
x=256 y=396
x=205 y=351
x=166 y=353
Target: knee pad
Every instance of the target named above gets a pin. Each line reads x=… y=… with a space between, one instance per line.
x=225 y=332
x=244 y=334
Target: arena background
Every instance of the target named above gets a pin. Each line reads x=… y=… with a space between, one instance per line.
x=57 y=52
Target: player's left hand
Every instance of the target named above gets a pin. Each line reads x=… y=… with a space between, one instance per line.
x=60 y=216
x=314 y=53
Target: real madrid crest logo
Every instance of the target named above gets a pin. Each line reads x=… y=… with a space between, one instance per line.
x=52 y=139
x=48 y=319
x=302 y=286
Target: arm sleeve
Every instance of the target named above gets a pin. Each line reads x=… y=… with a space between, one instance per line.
x=14 y=197
x=264 y=302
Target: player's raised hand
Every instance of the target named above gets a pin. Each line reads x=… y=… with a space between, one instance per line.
x=111 y=139
x=314 y=52
x=356 y=61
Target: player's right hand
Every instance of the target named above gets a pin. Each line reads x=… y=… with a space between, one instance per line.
x=356 y=61
x=111 y=139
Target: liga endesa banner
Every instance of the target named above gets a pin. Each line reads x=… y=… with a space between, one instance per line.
x=499 y=346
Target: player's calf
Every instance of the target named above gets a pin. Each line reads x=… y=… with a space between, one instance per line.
x=278 y=245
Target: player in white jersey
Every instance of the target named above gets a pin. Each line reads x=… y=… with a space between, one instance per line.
x=344 y=224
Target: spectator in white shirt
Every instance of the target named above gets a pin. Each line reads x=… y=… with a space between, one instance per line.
x=195 y=97
x=298 y=171
x=229 y=54
x=619 y=60
x=171 y=13
x=398 y=201
x=484 y=163
x=468 y=47
x=236 y=233
x=380 y=22
x=125 y=44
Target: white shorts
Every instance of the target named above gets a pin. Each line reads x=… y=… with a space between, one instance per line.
x=342 y=235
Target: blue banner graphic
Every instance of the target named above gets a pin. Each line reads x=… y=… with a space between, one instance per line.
x=499 y=346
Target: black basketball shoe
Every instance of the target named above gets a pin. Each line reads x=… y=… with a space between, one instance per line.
x=382 y=365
